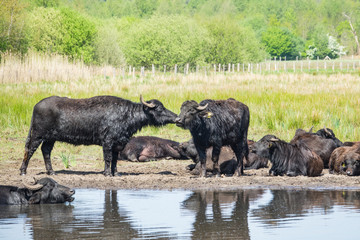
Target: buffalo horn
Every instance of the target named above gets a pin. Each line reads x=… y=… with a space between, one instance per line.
x=200 y=108
x=150 y=105
x=310 y=131
x=327 y=131
x=33 y=187
x=274 y=139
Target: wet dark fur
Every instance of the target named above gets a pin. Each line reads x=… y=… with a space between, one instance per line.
x=52 y=192
x=346 y=160
x=288 y=159
x=147 y=148
x=322 y=142
x=107 y=121
x=223 y=122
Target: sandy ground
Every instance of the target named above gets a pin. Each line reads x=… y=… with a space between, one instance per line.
x=163 y=174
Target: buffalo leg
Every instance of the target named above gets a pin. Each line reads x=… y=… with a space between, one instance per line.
x=202 y=160
x=46 y=149
x=114 y=162
x=215 y=160
x=108 y=156
x=239 y=152
x=30 y=148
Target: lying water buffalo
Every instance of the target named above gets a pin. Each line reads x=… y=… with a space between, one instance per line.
x=288 y=159
x=217 y=123
x=346 y=160
x=227 y=159
x=323 y=142
x=147 y=148
x=107 y=121
x=45 y=190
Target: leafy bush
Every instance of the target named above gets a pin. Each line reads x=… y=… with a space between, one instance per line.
x=164 y=40
x=107 y=49
x=280 y=42
x=231 y=43
x=62 y=31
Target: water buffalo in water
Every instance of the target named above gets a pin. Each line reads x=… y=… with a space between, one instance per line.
x=107 y=121
x=147 y=148
x=323 y=142
x=45 y=190
x=288 y=159
x=346 y=159
x=217 y=123
x=227 y=159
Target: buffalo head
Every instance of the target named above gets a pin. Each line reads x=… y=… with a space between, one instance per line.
x=351 y=164
x=157 y=113
x=265 y=146
x=47 y=190
x=189 y=112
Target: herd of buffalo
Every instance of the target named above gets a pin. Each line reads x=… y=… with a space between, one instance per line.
x=219 y=130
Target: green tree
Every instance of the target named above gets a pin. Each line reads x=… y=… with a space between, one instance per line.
x=13 y=34
x=164 y=40
x=62 y=31
x=280 y=42
x=231 y=43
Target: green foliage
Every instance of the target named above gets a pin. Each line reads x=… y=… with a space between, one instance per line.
x=164 y=40
x=231 y=43
x=280 y=42
x=107 y=49
x=62 y=31
x=13 y=31
x=278 y=28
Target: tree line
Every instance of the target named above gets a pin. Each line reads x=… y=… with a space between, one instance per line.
x=197 y=32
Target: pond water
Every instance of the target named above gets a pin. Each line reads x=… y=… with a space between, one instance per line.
x=151 y=214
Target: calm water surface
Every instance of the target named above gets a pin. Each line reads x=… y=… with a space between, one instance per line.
x=149 y=214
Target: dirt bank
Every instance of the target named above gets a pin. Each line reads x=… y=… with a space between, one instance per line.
x=163 y=174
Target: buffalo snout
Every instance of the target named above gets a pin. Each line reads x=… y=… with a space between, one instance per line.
x=178 y=122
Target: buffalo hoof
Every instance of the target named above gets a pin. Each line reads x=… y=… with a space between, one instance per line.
x=22 y=173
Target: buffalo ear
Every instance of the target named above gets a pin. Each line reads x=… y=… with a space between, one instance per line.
x=207 y=114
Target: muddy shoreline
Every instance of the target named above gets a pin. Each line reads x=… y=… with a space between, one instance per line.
x=165 y=175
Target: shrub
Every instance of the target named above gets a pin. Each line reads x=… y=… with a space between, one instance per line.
x=164 y=40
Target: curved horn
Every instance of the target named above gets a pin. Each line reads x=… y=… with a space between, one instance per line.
x=200 y=108
x=150 y=105
x=327 y=131
x=274 y=139
x=311 y=129
x=34 y=186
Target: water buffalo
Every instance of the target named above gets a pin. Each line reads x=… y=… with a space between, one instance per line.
x=227 y=159
x=323 y=142
x=147 y=148
x=217 y=123
x=107 y=121
x=288 y=159
x=346 y=160
x=45 y=190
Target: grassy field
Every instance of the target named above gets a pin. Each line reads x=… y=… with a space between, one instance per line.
x=279 y=103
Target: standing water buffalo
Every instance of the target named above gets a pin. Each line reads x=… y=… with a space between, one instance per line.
x=323 y=142
x=346 y=159
x=45 y=190
x=147 y=148
x=107 y=121
x=217 y=123
x=286 y=158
